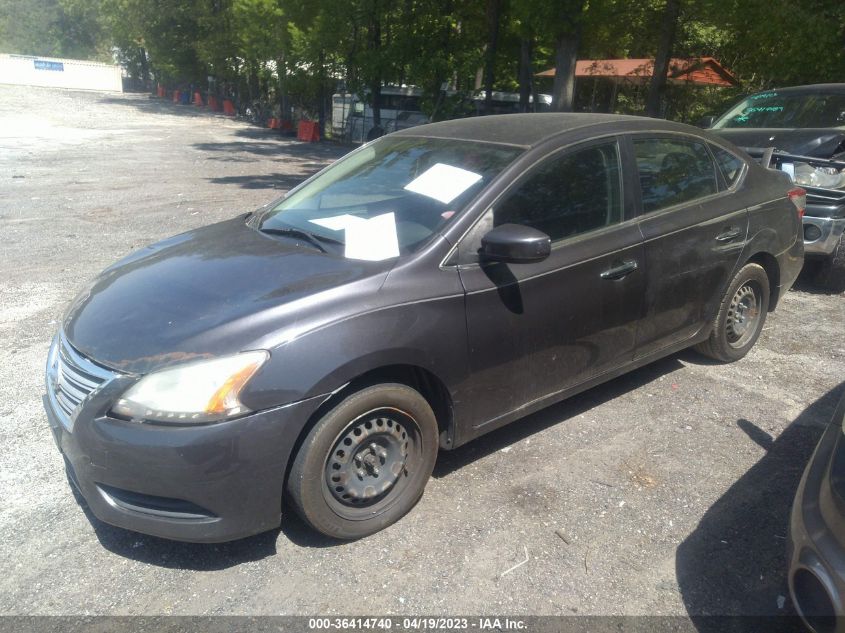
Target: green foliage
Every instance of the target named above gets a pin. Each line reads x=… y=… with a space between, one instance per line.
x=58 y=28
x=306 y=49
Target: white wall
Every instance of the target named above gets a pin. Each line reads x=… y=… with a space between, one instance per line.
x=59 y=73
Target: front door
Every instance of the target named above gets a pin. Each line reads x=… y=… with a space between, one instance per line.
x=536 y=329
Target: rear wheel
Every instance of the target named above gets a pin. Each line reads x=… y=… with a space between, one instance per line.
x=365 y=463
x=741 y=316
x=831 y=271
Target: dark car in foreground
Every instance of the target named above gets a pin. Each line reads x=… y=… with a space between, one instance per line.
x=817 y=533
x=427 y=288
x=805 y=126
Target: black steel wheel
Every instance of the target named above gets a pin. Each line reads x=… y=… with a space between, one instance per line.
x=365 y=463
x=370 y=460
x=742 y=313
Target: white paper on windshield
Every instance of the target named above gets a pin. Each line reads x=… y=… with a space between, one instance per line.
x=789 y=168
x=374 y=239
x=338 y=222
x=443 y=182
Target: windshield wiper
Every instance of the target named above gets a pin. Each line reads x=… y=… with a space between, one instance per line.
x=311 y=238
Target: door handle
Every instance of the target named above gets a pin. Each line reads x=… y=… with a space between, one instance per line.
x=731 y=234
x=621 y=270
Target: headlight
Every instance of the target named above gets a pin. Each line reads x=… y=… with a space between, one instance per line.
x=205 y=391
x=828 y=177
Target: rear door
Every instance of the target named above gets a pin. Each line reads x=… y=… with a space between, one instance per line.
x=535 y=329
x=694 y=229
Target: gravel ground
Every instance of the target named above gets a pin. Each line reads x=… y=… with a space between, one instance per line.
x=666 y=491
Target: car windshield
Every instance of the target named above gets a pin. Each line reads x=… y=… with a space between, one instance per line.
x=786 y=110
x=389 y=197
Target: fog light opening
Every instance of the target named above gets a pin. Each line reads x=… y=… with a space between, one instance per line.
x=811 y=232
x=813 y=602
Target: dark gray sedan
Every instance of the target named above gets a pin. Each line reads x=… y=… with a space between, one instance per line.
x=429 y=287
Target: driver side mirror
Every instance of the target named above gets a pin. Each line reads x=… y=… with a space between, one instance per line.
x=515 y=244
x=706 y=121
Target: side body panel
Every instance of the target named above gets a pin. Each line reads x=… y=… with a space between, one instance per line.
x=424 y=328
x=536 y=329
x=690 y=259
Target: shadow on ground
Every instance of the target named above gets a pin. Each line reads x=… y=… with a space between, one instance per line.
x=146 y=103
x=267 y=142
x=806 y=280
x=269 y=145
x=283 y=182
x=174 y=554
x=203 y=556
x=734 y=563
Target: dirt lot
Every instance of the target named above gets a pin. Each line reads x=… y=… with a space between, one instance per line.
x=663 y=492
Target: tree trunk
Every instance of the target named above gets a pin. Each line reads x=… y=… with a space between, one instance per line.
x=281 y=69
x=145 y=69
x=526 y=49
x=656 y=86
x=375 y=47
x=563 y=89
x=494 y=8
x=322 y=93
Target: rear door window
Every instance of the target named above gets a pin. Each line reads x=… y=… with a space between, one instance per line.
x=673 y=171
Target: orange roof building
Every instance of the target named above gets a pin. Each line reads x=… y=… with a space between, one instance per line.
x=698 y=70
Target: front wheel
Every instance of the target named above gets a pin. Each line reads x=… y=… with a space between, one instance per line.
x=741 y=316
x=365 y=463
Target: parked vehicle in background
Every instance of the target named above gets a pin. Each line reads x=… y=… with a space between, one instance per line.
x=817 y=533
x=431 y=286
x=806 y=127
x=508 y=103
x=352 y=117
x=405 y=120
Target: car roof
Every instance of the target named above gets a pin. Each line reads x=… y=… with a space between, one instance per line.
x=528 y=130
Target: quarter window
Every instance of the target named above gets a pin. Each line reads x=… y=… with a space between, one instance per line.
x=673 y=172
x=570 y=195
x=730 y=165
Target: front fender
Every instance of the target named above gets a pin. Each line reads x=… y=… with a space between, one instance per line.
x=430 y=334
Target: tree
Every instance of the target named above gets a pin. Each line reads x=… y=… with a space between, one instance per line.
x=59 y=28
x=668 y=27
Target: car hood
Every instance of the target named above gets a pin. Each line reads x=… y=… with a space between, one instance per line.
x=821 y=143
x=216 y=290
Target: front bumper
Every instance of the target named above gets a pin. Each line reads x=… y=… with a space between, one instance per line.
x=817 y=540
x=822 y=234
x=205 y=483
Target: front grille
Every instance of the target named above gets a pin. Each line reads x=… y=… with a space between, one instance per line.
x=71 y=378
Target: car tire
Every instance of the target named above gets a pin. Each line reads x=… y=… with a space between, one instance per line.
x=365 y=463
x=831 y=271
x=741 y=316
